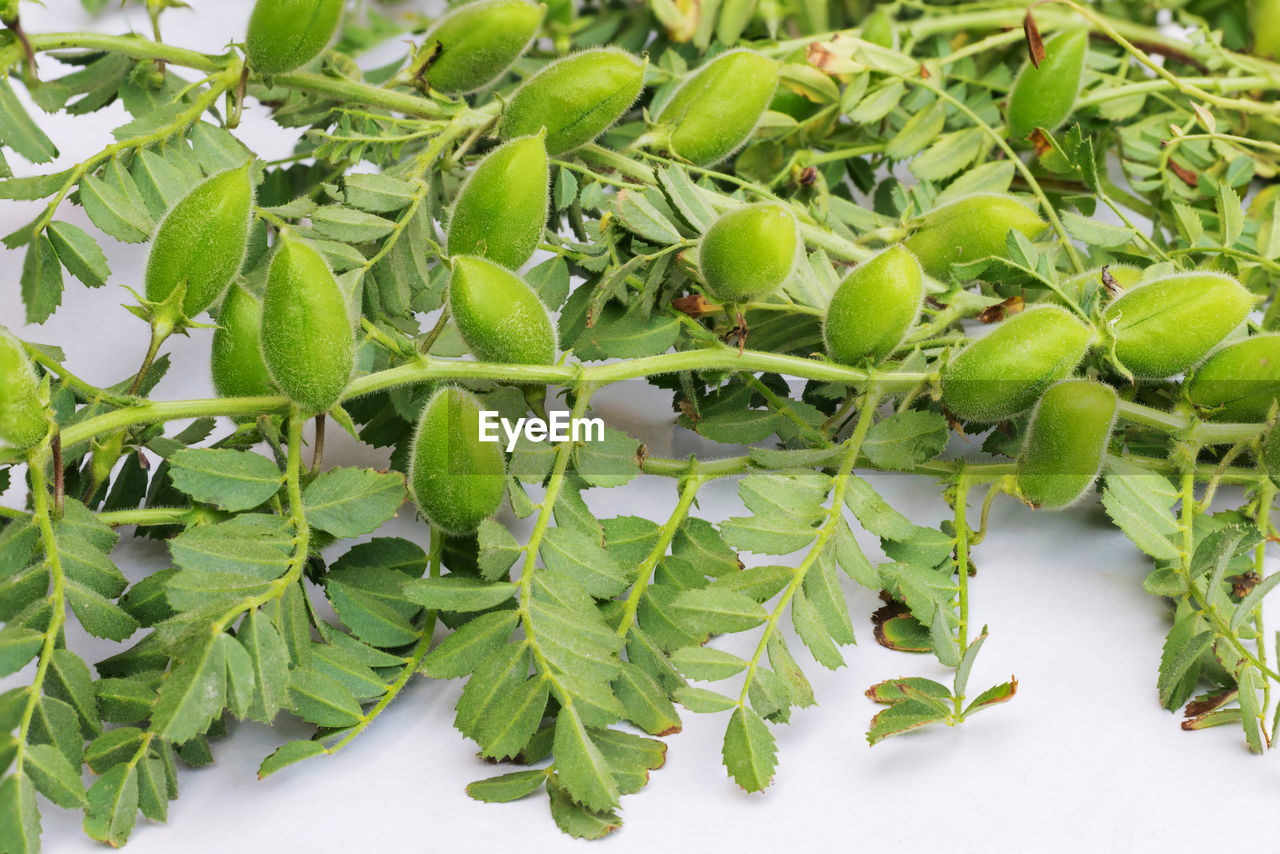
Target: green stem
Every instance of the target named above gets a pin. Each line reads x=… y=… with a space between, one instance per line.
x=411 y=663
x=529 y=569
x=665 y=534
x=301 y=530
x=835 y=515
x=57 y=594
x=962 y=569
x=147 y=517
x=1202 y=604
x=134 y=47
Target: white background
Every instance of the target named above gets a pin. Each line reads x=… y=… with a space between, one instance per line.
x=1082 y=759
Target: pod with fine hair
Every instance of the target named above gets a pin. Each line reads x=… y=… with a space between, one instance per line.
x=474 y=43
x=502 y=208
x=1165 y=327
x=749 y=251
x=1240 y=382
x=201 y=242
x=235 y=360
x=1005 y=373
x=457 y=480
x=714 y=112
x=24 y=421
x=575 y=98
x=874 y=307
x=308 y=344
x=1065 y=443
x=970 y=228
x=1043 y=97
x=287 y=34
x=498 y=315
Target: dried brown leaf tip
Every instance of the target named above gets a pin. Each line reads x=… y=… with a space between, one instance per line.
x=694 y=305
x=1035 y=45
x=998 y=312
x=1040 y=142
x=1109 y=281
x=1190 y=178
x=819 y=57
x=1204 y=705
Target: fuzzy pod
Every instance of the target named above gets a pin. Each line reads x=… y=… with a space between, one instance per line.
x=498 y=315
x=24 y=421
x=970 y=228
x=473 y=44
x=236 y=357
x=1044 y=97
x=1240 y=381
x=1065 y=443
x=714 y=112
x=575 y=98
x=457 y=480
x=872 y=310
x=1006 y=372
x=502 y=208
x=202 y=241
x=308 y=343
x=287 y=34
x=1164 y=327
x=749 y=251
x=1264 y=25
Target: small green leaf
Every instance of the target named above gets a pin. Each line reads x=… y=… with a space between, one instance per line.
x=576 y=820
x=194 y=693
x=580 y=766
x=232 y=480
x=461 y=653
x=508 y=787
x=702 y=700
x=1175 y=667
x=19 y=132
x=349 y=502
x=457 y=593
x=19 y=816
x=749 y=752
x=287 y=754
x=79 y=253
x=53 y=775
x=41 y=280
x=113 y=806
x=717 y=611
x=17 y=647
x=323 y=700
x=706 y=663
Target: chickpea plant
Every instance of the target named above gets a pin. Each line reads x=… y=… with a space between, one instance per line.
x=790 y=218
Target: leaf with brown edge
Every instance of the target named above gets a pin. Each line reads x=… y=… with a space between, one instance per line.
x=890 y=691
x=1206 y=703
x=901 y=717
x=1035 y=44
x=895 y=628
x=993 y=696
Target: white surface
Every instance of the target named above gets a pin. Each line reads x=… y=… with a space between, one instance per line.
x=1082 y=759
